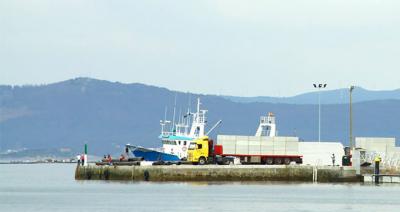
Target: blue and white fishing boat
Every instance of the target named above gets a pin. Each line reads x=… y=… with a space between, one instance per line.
x=176 y=137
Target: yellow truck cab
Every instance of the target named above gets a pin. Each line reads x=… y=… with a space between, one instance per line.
x=198 y=151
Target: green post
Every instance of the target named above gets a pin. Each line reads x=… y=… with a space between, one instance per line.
x=85 y=157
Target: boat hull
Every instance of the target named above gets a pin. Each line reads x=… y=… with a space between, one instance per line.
x=153 y=155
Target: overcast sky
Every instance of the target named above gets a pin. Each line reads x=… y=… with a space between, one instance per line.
x=245 y=48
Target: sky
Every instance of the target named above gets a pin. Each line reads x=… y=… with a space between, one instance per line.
x=224 y=47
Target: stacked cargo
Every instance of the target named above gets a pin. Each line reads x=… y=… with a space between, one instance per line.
x=376 y=144
x=258 y=145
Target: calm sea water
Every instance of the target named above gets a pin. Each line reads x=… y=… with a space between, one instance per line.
x=51 y=187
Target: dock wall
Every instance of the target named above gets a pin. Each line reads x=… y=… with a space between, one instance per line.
x=216 y=173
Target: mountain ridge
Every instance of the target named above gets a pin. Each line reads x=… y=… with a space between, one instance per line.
x=107 y=115
x=335 y=96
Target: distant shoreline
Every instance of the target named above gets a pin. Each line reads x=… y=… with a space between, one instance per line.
x=33 y=162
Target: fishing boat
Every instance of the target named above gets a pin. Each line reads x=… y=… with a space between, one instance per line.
x=176 y=137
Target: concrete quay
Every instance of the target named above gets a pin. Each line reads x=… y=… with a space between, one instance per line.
x=183 y=173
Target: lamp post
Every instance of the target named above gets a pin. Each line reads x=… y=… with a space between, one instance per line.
x=319 y=86
x=351 y=116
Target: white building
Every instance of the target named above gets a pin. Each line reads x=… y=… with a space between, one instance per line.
x=320 y=153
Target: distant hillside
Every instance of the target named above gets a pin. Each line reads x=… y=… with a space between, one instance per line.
x=107 y=115
x=339 y=96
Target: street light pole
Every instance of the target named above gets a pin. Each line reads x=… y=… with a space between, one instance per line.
x=319 y=115
x=351 y=117
x=319 y=86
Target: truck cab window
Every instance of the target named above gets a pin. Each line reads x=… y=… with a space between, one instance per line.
x=199 y=146
x=192 y=145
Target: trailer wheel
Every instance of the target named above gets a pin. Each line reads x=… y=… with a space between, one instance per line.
x=278 y=161
x=269 y=161
x=202 y=161
x=286 y=161
x=225 y=162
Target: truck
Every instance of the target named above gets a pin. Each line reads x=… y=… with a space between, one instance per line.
x=203 y=151
x=247 y=149
x=265 y=147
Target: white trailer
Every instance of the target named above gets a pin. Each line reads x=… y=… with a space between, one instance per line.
x=260 y=149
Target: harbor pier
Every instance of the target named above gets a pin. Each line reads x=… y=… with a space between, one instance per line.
x=183 y=173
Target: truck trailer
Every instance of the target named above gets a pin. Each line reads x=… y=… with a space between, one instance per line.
x=248 y=149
